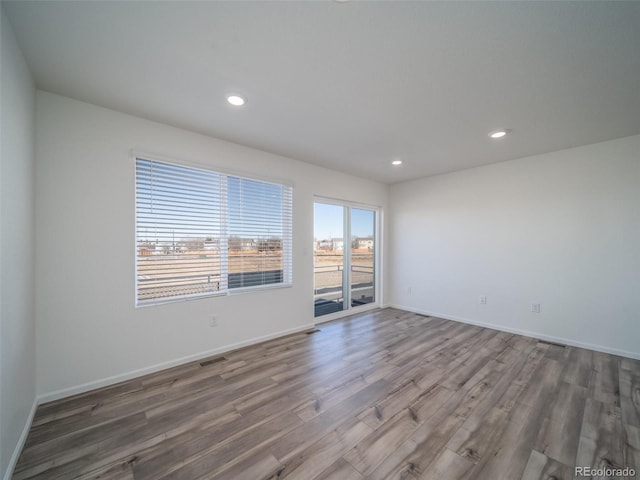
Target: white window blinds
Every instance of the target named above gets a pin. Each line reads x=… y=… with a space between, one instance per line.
x=200 y=232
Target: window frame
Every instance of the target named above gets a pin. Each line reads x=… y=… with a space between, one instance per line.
x=287 y=234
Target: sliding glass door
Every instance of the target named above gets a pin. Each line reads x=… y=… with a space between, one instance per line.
x=345 y=249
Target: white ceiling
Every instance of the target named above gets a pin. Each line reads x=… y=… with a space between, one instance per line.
x=354 y=85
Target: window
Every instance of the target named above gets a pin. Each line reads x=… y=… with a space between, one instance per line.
x=200 y=232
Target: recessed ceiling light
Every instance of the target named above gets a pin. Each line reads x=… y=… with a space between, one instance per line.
x=499 y=133
x=236 y=100
x=396 y=162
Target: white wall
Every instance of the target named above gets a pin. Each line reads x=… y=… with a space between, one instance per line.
x=87 y=327
x=17 y=248
x=561 y=229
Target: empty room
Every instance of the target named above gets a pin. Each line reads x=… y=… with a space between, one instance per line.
x=326 y=239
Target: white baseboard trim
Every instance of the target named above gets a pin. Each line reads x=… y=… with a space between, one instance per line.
x=21 y=441
x=526 y=333
x=85 y=387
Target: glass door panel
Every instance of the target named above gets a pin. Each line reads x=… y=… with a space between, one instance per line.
x=329 y=259
x=363 y=245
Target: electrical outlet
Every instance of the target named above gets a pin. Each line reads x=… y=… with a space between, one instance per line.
x=409 y=290
x=213 y=321
x=482 y=299
x=535 y=307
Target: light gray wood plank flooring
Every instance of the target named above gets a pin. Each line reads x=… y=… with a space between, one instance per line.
x=382 y=395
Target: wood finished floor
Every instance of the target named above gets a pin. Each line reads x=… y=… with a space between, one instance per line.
x=384 y=395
